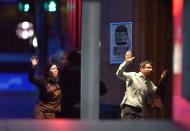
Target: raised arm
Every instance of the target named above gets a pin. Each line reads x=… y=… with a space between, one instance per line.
x=162 y=84
x=32 y=78
x=128 y=56
x=121 y=70
x=34 y=61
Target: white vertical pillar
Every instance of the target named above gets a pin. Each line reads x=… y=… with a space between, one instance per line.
x=90 y=60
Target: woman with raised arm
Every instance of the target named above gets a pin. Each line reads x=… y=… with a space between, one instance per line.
x=48 y=103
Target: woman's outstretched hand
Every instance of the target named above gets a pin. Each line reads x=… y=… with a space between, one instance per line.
x=34 y=61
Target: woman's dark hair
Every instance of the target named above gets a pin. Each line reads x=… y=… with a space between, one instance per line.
x=46 y=69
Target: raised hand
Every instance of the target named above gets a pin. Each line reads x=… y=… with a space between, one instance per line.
x=128 y=56
x=163 y=75
x=34 y=61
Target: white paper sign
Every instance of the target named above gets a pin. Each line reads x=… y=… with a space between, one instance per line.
x=120 y=41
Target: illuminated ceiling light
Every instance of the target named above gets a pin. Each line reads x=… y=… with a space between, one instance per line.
x=35 y=42
x=26 y=7
x=24 y=34
x=25 y=25
x=30 y=33
x=50 y=5
x=25 y=30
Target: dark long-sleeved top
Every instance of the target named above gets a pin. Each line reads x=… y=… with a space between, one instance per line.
x=49 y=93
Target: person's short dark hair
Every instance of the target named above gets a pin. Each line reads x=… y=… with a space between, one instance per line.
x=143 y=63
x=74 y=57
